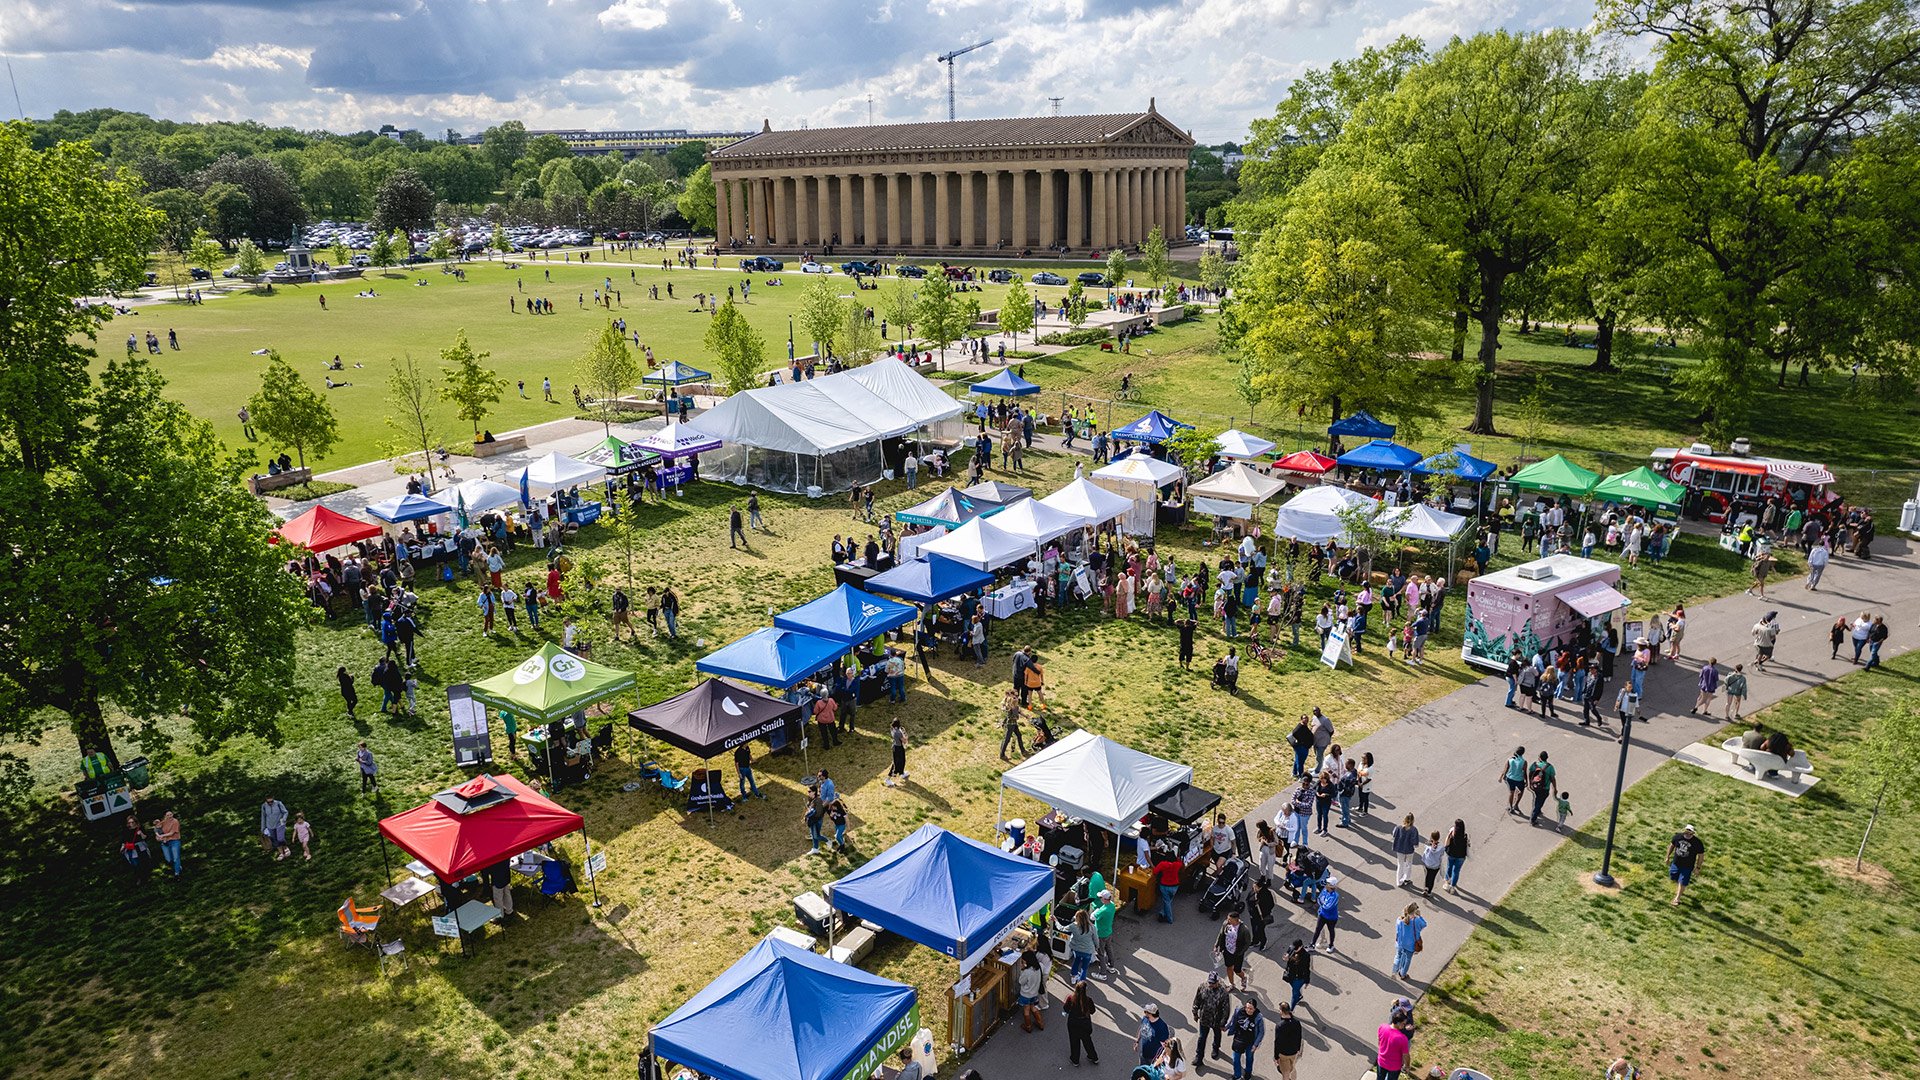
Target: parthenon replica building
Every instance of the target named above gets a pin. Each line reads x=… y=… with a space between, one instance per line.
x=1080 y=183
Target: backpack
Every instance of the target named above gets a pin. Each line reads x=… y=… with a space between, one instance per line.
x=1537 y=777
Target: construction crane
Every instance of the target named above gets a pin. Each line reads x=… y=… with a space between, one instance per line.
x=948 y=59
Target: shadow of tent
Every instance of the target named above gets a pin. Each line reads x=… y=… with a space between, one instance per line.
x=550 y=959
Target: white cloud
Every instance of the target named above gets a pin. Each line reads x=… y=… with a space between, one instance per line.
x=262 y=57
x=635 y=15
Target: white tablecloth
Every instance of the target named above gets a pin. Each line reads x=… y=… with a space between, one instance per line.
x=1009 y=599
x=909 y=546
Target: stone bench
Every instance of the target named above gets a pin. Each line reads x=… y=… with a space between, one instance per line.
x=1760 y=762
x=261 y=484
x=502 y=444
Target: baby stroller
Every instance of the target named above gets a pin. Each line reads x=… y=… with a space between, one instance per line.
x=1224 y=891
x=1305 y=876
x=1147 y=1072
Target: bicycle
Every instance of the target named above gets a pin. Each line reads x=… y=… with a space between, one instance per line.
x=1126 y=394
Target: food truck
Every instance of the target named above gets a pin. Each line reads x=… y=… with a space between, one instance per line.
x=1724 y=488
x=1561 y=601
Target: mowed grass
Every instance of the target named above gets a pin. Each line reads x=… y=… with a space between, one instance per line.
x=1779 y=953
x=237 y=971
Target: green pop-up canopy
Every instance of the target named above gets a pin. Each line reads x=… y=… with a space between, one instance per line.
x=550 y=684
x=1641 y=487
x=1556 y=474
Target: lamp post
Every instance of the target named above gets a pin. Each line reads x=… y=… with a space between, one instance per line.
x=1604 y=879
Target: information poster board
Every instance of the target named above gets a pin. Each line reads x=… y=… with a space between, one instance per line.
x=446 y=926
x=1337 y=649
x=472 y=739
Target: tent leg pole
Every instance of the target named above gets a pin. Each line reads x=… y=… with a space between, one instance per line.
x=385 y=860
x=1000 y=810
x=593 y=879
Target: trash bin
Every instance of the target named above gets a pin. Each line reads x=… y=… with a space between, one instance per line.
x=137 y=772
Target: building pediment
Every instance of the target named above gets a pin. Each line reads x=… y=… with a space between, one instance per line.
x=1151 y=130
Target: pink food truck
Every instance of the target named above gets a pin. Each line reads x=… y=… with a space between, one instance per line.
x=1561 y=601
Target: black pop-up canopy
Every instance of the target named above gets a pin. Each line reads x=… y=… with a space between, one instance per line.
x=713 y=717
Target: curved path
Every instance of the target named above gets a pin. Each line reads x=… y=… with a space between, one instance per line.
x=1444 y=761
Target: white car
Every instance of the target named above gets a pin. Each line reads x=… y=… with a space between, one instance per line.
x=363 y=260
x=815 y=268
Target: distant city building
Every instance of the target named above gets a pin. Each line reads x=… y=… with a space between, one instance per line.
x=630 y=144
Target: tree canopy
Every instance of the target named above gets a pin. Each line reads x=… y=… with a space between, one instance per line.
x=289 y=412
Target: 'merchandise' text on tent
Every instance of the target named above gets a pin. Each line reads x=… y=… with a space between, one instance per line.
x=946 y=892
x=783 y=1013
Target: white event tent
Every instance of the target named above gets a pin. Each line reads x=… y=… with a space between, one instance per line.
x=1090 y=501
x=480 y=495
x=1138 y=478
x=1092 y=777
x=1235 y=443
x=1234 y=491
x=1036 y=522
x=980 y=545
x=1421 y=522
x=1314 y=514
x=557 y=471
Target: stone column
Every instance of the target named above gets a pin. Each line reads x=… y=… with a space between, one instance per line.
x=1076 y=210
x=1123 y=207
x=869 y=194
x=1019 y=226
x=1138 y=206
x=917 y=207
x=1102 y=208
x=895 y=223
x=994 y=233
x=1180 y=198
x=942 y=209
x=846 y=208
x=761 y=202
x=1048 y=234
x=968 y=238
x=823 y=208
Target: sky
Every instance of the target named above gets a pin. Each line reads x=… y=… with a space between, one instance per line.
x=1211 y=66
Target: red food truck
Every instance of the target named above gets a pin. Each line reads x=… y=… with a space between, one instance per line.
x=1723 y=488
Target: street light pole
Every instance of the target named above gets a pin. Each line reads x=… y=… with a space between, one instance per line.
x=1604 y=879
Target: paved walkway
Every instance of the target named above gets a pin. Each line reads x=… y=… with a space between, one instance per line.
x=1443 y=762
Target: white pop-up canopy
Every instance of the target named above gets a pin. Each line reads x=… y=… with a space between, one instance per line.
x=1090 y=501
x=980 y=545
x=1238 y=483
x=1314 y=514
x=1142 y=469
x=480 y=495
x=557 y=470
x=1036 y=522
x=1422 y=522
x=1235 y=443
x=1092 y=777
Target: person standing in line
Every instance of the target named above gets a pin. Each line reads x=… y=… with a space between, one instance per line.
x=743 y=764
x=1079 y=1009
x=1393 y=1050
x=1031 y=986
x=1345 y=789
x=1301 y=739
x=1406 y=940
x=1327 y=914
x=1297 y=968
x=1406 y=839
x=1166 y=874
x=1300 y=812
x=1365 y=770
x=1104 y=910
x=1513 y=679
x=1323 y=792
x=1676 y=629
x=1153 y=1034
x=1457 y=847
x=1268 y=848
x=1322 y=736
x=897 y=735
x=1211 y=1009
x=1542 y=779
x=1432 y=854
x=1249 y=1030
x=1287 y=1041
x=368 y=770
x=167 y=832
x=1709 y=686
x=347 y=691
x=1683 y=855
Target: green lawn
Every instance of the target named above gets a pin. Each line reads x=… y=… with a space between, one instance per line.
x=1779 y=955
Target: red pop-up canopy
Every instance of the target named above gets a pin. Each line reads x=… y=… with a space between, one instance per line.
x=483 y=821
x=1305 y=461
x=320 y=529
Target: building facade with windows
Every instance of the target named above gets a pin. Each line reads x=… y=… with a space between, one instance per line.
x=1075 y=183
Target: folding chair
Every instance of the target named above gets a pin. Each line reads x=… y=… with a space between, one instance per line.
x=394 y=952
x=357 y=924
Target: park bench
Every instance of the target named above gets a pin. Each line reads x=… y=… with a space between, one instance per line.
x=1760 y=762
x=260 y=484
x=501 y=444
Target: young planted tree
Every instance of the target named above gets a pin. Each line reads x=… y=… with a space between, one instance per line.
x=290 y=412
x=1016 y=311
x=340 y=253
x=1117 y=267
x=1888 y=764
x=250 y=259
x=1076 y=304
x=440 y=248
x=939 y=314
x=204 y=252
x=898 y=303
x=1154 y=261
x=467 y=382
x=740 y=349
x=381 y=253
x=410 y=394
x=1215 y=272
x=608 y=371
x=855 y=339
x=499 y=240
x=819 y=311
x=1194 y=446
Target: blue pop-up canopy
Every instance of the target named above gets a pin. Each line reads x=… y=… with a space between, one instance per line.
x=1381 y=454
x=1362 y=425
x=408 y=508
x=786 y=1012
x=1005 y=384
x=1155 y=427
x=952 y=507
x=772 y=657
x=846 y=614
x=946 y=892
x=1457 y=463
x=928 y=580
x=675 y=373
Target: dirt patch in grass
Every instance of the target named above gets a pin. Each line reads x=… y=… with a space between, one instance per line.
x=1871 y=874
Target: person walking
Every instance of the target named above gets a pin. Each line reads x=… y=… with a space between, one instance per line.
x=303 y=832
x=246 y=424
x=743 y=764
x=1010 y=734
x=1516 y=776
x=167 y=832
x=273 y=828
x=1683 y=855
x=1327 y=914
x=736 y=531
x=1709 y=686
x=1248 y=1029
x=347 y=691
x=753 y=513
x=1817 y=560
x=1765 y=633
x=1432 y=855
x=1287 y=1041
x=1297 y=968
x=1457 y=847
x=670 y=611
x=1762 y=563
x=1231 y=945
x=1153 y=1034
x=1211 y=1009
x=1876 y=636
x=1079 y=1009
x=1543 y=782
x=1260 y=910
x=1406 y=841
x=1406 y=940
x=897 y=736
x=369 y=771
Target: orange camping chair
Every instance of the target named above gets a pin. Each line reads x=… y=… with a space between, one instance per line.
x=357 y=924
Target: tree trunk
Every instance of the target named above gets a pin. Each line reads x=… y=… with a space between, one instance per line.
x=1860 y=856
x=1336 y=410
x=1783 y=372
x=90 y=730
x=1490 y=286
x=1460 y=320
x=1603 y=344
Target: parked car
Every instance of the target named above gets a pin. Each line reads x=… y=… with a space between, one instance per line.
x=153 y=278
x=1048 y=277
x=999 y=277
x=911 y=271
x=958 y=273
x=864 y=269
x=363 y=260
x=815 y=268
x=231 y=271
x=1097 y=279
x=200 y=273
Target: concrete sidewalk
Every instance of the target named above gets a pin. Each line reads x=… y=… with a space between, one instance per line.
x=1442 y=762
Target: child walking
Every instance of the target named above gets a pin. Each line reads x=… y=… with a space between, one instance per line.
x=1562 y=809
x=303 y=832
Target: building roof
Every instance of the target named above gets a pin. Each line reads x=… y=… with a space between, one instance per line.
x=953 y=134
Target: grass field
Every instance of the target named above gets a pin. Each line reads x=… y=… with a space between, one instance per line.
x=236 y=971
x=1781 y=961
